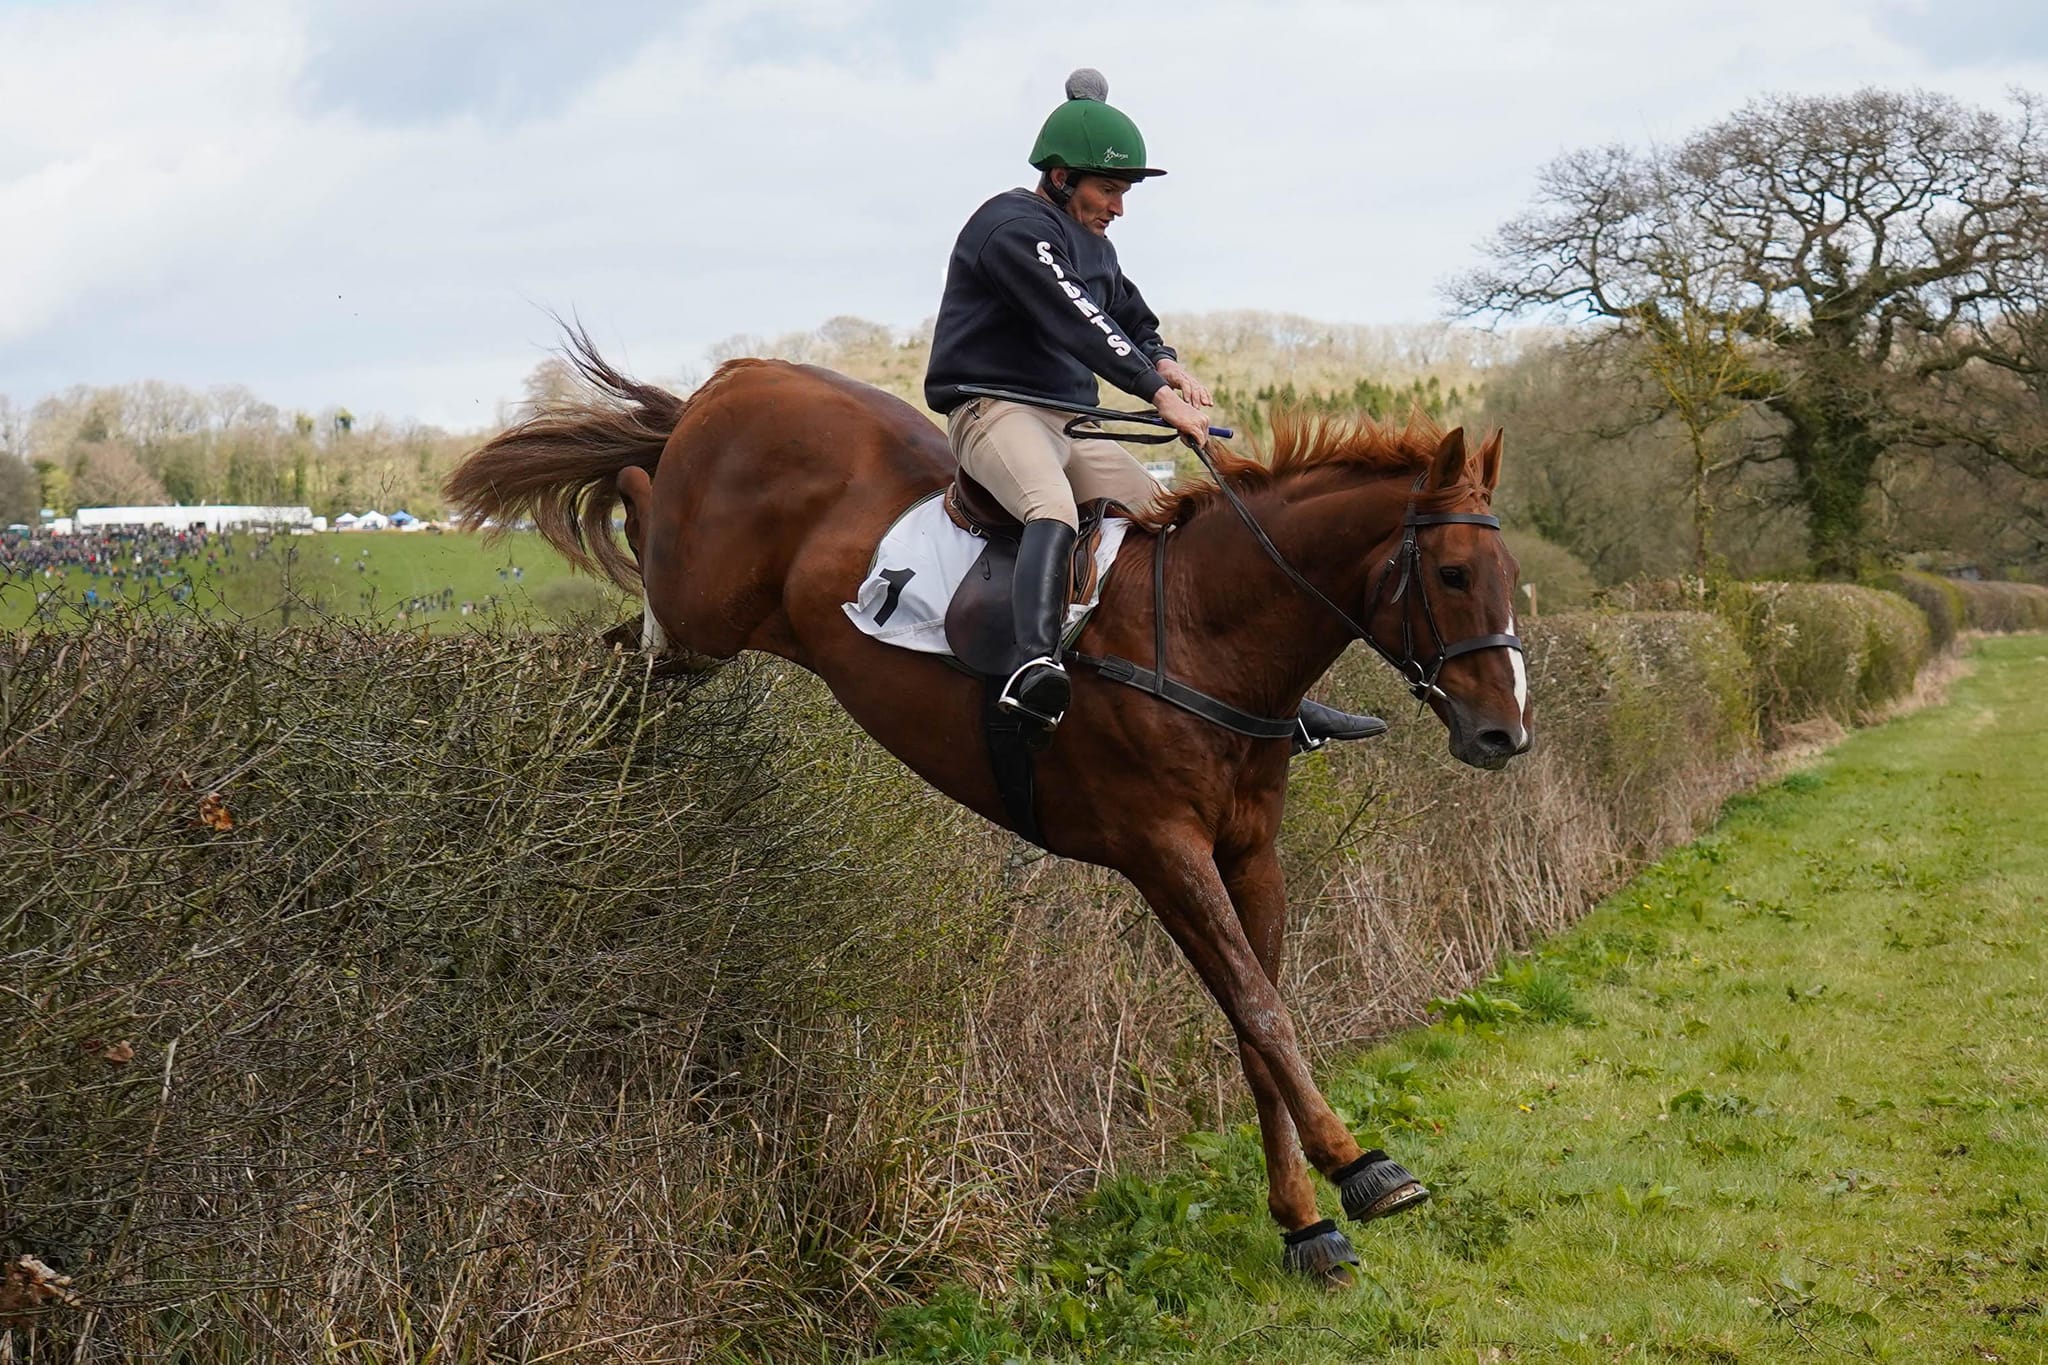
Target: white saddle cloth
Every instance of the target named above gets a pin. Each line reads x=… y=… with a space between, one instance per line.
x=922 y=559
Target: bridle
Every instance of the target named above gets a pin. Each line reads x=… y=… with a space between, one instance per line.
x=1420 y=675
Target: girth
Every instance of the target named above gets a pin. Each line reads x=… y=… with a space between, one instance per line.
x=981 y=632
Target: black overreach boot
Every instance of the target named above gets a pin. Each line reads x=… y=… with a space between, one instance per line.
x=1039 y=689
x=1316 y=725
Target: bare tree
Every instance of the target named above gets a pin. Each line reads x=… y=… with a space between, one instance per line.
x=13 y=429
x=19 y=494
x=1870 y=263
x=551 y=382
x=109 y=475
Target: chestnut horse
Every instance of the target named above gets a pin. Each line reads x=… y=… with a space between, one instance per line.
x=753 y=508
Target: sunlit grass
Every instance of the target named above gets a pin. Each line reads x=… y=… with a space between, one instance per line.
x=1780 y=1098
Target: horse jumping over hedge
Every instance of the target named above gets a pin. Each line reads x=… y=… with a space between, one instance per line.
x=752 y=512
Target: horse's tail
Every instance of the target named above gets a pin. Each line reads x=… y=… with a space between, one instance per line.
x=561 y=465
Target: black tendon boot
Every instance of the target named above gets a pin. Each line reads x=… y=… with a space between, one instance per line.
x=1316 y=725
x=1039 y=689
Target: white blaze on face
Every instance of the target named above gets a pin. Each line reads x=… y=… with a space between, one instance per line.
x=1521 y=674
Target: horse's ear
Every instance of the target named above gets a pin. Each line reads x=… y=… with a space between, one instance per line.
x=1489 y=461
x=1449 y=465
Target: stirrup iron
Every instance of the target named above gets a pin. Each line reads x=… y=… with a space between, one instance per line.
x=1010 y=700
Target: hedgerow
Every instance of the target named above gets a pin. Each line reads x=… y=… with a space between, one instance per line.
x=1820 y=651
x=1939 y=600
x=2001 y=606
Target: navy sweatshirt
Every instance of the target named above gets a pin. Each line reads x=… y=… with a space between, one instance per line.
x=1037 y=303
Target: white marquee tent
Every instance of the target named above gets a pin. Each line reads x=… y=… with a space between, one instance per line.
x=214 y=517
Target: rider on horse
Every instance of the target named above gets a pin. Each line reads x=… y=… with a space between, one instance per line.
x=1036 y=303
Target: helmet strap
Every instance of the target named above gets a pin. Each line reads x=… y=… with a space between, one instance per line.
x=1054 y=190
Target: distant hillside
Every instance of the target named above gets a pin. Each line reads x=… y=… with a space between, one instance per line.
x=1248 y=357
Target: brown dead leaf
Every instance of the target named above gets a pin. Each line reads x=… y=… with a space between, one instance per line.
x=120 y=1054
x=26 y=1285
x=213 y=812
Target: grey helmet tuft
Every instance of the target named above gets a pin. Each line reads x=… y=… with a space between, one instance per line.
x=1088 y=84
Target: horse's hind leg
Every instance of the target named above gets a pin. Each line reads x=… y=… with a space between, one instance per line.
x=636 y=488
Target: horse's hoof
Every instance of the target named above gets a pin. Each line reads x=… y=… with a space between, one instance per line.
x=1321 y=1253
x=1375 y=1186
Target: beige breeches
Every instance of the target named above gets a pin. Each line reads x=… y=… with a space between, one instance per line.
x=1034 y=469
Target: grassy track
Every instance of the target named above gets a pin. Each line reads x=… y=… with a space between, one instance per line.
x=1784 y=1097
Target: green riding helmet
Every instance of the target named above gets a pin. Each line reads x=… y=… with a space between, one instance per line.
x=1085 y=134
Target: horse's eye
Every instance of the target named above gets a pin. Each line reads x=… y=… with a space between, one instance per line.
x=1454 y=576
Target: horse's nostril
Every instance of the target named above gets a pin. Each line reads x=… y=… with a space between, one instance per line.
x=1497 y=741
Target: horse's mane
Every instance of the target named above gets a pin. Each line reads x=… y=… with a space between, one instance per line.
x=1307 y=441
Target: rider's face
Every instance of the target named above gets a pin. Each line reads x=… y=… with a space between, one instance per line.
x=1098 y=201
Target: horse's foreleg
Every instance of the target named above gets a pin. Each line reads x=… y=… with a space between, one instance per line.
x=1187 y=893
x=1258 y=891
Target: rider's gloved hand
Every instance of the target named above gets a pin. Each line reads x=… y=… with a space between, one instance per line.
x=1183 y=416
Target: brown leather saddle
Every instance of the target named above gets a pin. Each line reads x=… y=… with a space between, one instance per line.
x=980 y=626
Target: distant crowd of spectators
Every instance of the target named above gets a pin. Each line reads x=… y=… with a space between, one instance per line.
x=153 y=556
x=134 y=563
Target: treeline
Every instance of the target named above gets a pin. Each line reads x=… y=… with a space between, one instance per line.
x=1599 y=463
x=153 y=442
x=158 y=443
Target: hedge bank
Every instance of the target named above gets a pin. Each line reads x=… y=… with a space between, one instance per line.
x=1836 y=652
x=1939 y=600
x=1998 y=607
x=485 y=995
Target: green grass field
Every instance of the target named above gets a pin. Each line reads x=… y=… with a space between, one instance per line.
x=1782 y=1098
x=518 y=574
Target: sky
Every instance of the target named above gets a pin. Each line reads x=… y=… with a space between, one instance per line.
x=379 y=204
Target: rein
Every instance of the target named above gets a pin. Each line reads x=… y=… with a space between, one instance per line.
x=1420 y=676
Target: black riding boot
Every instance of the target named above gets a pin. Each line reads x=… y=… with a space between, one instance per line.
x=1316 y=725
x=1039 y=689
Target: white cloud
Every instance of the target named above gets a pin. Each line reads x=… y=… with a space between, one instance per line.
x=205 y=196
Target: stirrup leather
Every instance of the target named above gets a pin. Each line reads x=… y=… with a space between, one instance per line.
x=1008 y=699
